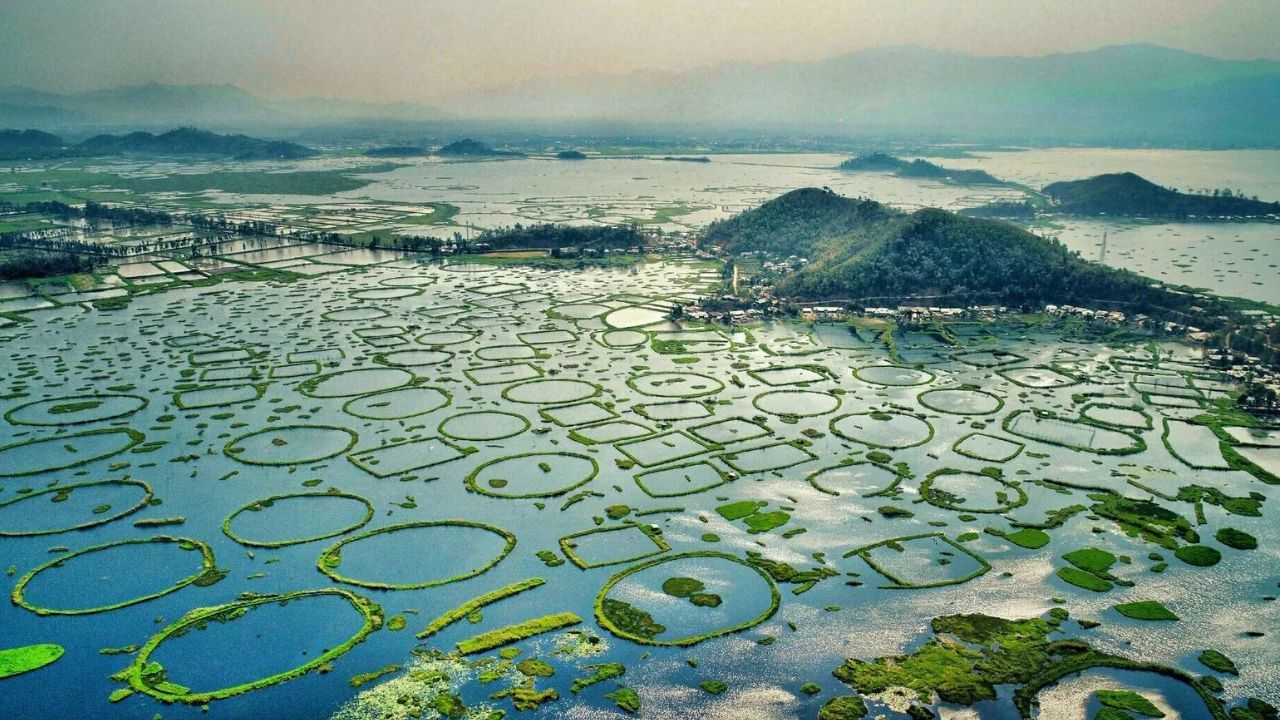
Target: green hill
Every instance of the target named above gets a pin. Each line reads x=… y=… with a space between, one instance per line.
x=802 y=222
x=1127 y=194
x=863 y=249
x=467 y=147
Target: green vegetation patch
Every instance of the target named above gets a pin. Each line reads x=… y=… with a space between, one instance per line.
x=1198 y=555
x=517 y=632
x=474 y=604
x=1238 y=540
x=1216 y=661
x=1029 y=538
x=970 y=656
x=1128 y=701
x=1152 y=610
x=15 y=661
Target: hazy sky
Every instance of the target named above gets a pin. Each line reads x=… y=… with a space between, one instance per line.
x=427 y=49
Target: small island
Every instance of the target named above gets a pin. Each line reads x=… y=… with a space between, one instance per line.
x=571 y=155
x=473 y=148
x=1129 y=195
x=919 y=169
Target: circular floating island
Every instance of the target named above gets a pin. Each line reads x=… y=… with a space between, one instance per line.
x=893 y=375
x=674 y=384
x=550 y=391
x=290 y=445
x=533 y=475
x=892 y=430
x=148 y=677
x=332 y=558
x=718 y=584
x=76 y=410
x=207 y=570
x=284 y=505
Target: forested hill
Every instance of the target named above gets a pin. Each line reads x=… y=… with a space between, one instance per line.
x=802 y=222
x=861 y=249
x=1127 y=194
x=180 y=141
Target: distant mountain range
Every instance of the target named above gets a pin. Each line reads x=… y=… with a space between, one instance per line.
x=157 y=106
x=1124 y=95
x=1128 y=94
x=31 y=144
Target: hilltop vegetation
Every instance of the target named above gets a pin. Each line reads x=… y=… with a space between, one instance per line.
x=180 y=141
x=473 y=148
x=802 y=222
x=1127 y=194
x=919 y=168
x=863 y=249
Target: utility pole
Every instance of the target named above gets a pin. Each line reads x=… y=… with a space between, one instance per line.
x=1102 y=257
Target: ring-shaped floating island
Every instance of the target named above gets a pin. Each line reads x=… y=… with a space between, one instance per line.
x=251 y=448
x=796 y=403
x=384 y=293
x=488 y=479
x=553 y=391
x=893 y=375
x=398 y=403
x=356 y=313
x=350 y=383
x=609 y=622
x=418 y=357
x=331 y=559
x=61 y=493
x=879 y=429
x=445 y=337
x=208 y=570
x=76 y=410
x=1007 y=495
x=266 y=503
x=32 y=457
x=147 y=677
x=674 y=384
x=878 y=479
x=961 y=401
x=619 y=339
x=483 y=425
x=408 y=281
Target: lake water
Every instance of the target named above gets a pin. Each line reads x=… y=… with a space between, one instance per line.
x=557 y=471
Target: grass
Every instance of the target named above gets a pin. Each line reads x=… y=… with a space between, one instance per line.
x=470 y=606
x=1151 y=610
x=15 y=661
x=515 y=633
